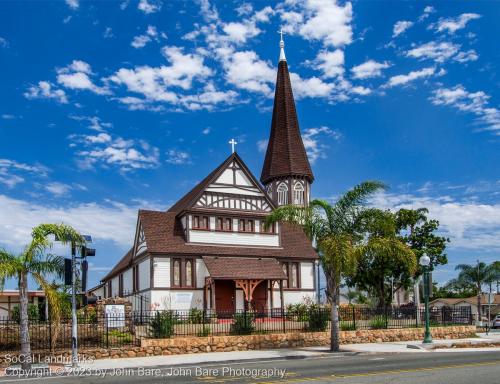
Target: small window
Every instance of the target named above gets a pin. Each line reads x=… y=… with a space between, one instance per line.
x=285 y=271
x=294 y=278
x=110 y=292
x=206 y=222
x=219 y=223
x=120 y=285
x=298 y=194
x=228 y=224
x=270 y=229
x=176 y=278
x=282 y=194
x=250 y=226
x=196 y=221
x=241 y=226
x=189 y=273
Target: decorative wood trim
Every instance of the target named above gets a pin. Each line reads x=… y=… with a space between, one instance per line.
x=248 y=287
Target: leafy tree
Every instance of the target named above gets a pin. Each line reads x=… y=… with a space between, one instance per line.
x=34 y=262
x=419 y=233
x=384 y=257
x=334 y=230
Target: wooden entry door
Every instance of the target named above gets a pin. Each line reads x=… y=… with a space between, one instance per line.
x=260 y=297
x=225 y=292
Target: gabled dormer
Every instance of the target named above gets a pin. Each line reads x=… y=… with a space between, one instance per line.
x=228 y=207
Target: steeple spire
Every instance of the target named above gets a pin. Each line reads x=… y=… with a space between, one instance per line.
x=282 y=46
x=286 y=164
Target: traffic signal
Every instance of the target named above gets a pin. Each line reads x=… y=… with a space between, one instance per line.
x=68 y=272
x=85 y=267
x=88 y=252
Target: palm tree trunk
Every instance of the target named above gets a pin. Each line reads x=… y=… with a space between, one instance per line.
x=335 y=331
x=479 y=303
x=24 y=322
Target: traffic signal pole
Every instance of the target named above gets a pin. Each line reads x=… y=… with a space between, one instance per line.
x=74 y=324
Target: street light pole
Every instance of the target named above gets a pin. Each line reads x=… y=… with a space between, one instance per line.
x=425 y=262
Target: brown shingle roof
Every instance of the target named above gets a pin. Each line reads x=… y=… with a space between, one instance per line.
x=164 y=234
x=285 y=154
x=243 y=268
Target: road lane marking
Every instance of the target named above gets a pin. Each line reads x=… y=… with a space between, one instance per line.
x=385 y=372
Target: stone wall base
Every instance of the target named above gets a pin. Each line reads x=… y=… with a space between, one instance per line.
x=175 y=346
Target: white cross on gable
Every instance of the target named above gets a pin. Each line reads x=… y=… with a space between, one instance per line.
x=233 y=143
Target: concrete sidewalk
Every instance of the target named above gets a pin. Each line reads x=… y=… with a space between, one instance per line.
x=297 y=353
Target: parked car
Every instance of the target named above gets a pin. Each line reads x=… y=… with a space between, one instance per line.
x=496 y=322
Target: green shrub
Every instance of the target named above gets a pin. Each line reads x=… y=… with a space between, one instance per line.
x=243 y=324
x=195 y=316
x=318 y=319
x=204 y=332
x=297 y=312
x=162 y=325
x=115 y=336
x=378 y=322
x=33 y=313
x=347 y=326
x=87 y=315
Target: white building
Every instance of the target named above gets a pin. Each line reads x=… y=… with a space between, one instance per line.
x=210 y=250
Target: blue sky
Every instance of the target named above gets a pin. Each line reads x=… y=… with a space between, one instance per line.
x=108 y=107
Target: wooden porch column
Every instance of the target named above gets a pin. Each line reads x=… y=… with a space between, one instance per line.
x=271 y=301
x=282 y=304
x=205 y=291
x=212 y=290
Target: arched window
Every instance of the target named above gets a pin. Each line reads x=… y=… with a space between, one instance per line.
x=282 y=194
x=298 y=194
x=177 y=273
x=189 y=273
x=294 y=283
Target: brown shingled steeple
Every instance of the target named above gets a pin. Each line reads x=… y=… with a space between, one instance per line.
x=286 y=159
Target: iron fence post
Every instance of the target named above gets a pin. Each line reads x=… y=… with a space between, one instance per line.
x=107 y=335
x=354 y=317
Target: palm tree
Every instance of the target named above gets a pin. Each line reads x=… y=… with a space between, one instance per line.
x=474 y=276
x=333 y=228
x=34 y=262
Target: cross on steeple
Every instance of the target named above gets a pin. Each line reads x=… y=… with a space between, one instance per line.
x=282 y=46
x=233 y=143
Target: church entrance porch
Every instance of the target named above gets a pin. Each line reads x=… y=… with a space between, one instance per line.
x=241 y=283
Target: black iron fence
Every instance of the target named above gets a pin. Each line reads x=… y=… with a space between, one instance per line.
x=105 y=331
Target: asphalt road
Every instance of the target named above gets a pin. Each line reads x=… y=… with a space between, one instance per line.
x=428 y=368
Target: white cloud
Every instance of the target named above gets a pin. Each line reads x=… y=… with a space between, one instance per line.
x=3 y=42
x=77 y=76
x=7 y=116
x=157 y=83
x=413 y=75
x=470 y=102
x=369 y=69
x=427 y=11
x=149 y=6
x=470 y=225
x=313 y=139
x=206 y=130
x=11 y=172
x=311 y=87
x=110 y=221
x=140 y=41
x=400 y=27
x=107 y=151
x=108 y=33
x=178 y=157
x=94 y=122
x=58 y=189
x=209 y=98
x=453 y=24
x=46 y=90
x=247 y=71
x=360 y=90
x=322 y=20
x=464 y=57
x=262 y=145
x=331 y=63
x=433 y=50
x=73 y=4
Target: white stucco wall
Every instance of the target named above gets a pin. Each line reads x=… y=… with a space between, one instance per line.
x=144 y=274
x=233 y=238
x=161 y=267
x=307 y=275
x=178 y=300
x=127 y=281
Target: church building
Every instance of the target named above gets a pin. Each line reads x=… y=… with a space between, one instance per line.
x=210 y=250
